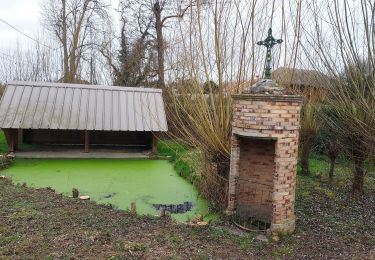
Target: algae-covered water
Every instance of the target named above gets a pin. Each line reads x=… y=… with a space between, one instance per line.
x=115 y=181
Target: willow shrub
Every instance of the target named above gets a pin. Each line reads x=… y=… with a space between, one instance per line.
x=203 y=122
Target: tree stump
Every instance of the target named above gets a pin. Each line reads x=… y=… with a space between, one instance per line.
x=133 y=208
x=162 y=212
x=75 y=193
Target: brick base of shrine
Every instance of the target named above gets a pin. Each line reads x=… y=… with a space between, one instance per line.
x=264 y=155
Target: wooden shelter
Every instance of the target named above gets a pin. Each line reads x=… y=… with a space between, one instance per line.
x=76 y=114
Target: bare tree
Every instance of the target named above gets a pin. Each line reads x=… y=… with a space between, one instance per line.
x=134 y=63
x=35 y=62
x=339 y=40
x=160 y=21
x=157 y=13
x=72 y=22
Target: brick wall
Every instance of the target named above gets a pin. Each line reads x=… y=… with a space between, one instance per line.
x=272 y=124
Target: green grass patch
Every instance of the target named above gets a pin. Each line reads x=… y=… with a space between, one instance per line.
x=343 y=173
x=280 y=252
x=171 y=148
x=3 y=143
x=186 y=161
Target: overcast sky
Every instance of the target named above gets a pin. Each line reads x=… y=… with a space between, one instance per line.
x=24 y=15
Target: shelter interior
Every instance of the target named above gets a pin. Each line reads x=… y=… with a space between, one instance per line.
x=81 y=139
x=255 y=184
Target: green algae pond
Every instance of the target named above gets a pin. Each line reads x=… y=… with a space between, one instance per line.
x=118 y=182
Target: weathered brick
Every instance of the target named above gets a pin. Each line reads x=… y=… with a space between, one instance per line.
x=263 y=172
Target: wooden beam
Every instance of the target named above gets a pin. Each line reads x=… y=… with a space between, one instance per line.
x=86 y=141
x=15 y=138
x=154 y=143
x=20 y=136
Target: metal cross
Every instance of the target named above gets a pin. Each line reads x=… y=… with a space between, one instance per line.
x=269 y=42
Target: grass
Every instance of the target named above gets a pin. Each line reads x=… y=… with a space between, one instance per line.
x=319 y=163
x=186 y=161
x=3 y=143
x=332 y=206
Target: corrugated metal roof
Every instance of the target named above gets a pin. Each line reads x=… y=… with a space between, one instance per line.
x=41 y=105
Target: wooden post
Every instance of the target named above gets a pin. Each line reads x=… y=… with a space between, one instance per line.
x=162 y=212
x=86 y=141
x=154 y=144
x=15 y=138
x=133 y=208
x=20 y=136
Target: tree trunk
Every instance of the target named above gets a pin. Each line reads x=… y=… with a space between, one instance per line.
x=331 y=168
x=358 y=177
x=305 y=162
x=64 y=42
x=160 y=43
x=333 y=152
x=305 y=154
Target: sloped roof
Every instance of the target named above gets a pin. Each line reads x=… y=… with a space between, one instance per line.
x=298 y=77
x=41 y=105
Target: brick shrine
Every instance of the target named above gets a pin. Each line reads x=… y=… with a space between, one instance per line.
x=264 y=155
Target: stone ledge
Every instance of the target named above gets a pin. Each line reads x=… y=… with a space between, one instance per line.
x=267 y=97
x=242 y=133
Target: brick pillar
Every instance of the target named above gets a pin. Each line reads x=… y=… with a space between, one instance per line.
x=234 y=173
x=283 y=219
